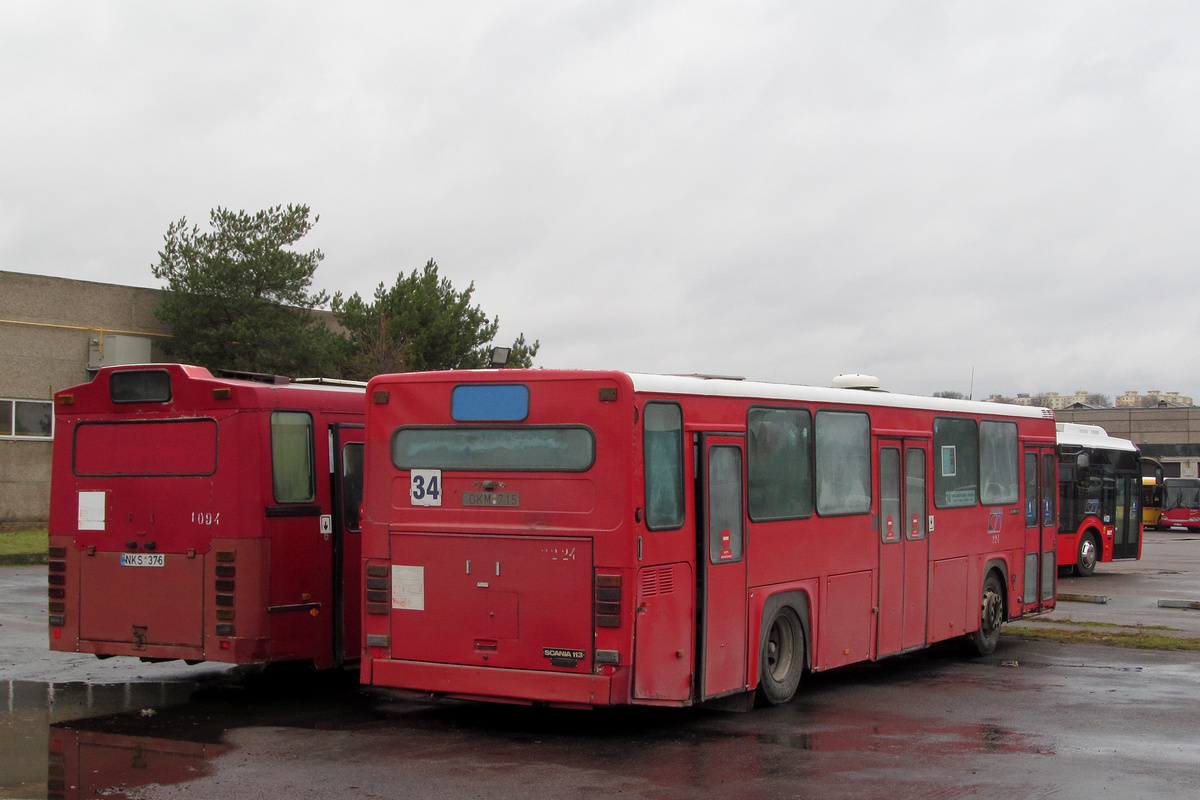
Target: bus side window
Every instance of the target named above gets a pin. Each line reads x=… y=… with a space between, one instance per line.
x=662 y=446
x=843 y=451
x=998 y=463
x=292 y=468
x=956 y=474
x=780 y=463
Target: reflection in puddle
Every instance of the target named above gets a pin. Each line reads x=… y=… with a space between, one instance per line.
x=91 y=764
x=28 y=708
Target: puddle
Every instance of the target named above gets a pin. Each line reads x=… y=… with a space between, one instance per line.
x=28 y=709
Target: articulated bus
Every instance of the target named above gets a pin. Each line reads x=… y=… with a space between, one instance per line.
x=1100 y=480
x=1180 y=503
x=206 y=518
x=595 y=538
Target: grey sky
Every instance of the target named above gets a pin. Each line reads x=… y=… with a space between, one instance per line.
x=782 y=190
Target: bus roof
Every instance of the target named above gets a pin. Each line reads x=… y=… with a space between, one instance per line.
x=725 y=387
x=1091 y=436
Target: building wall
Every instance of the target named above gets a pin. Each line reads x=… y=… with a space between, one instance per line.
x=49 y=329
x=1170 y=435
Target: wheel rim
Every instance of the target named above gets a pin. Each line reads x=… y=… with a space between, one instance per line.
x=780 y=647
x=992 y=611
x=1087 y=553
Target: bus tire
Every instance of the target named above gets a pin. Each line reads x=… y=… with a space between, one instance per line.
x=991 y=616
x=1088 y=555
x=781 y=657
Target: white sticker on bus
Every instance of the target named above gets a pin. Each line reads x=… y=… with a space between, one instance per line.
x=91 y=511
x=408 y=588
x=425 y=487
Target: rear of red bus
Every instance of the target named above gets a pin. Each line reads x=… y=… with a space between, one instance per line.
x=192 y=518
x=496 y=535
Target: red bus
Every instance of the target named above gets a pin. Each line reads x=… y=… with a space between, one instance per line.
x=1180 y=503
x=1100 y=489
x=206 y=518
x=594 y=538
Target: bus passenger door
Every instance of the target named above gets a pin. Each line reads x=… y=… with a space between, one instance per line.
x=721 y=568
x=903 y=546
x=346 y=442
x=1041 y=526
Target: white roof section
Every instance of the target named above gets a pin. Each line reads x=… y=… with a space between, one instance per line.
x=1091 y=436
x=753 y=390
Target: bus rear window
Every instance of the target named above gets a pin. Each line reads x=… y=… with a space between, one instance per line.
x=184 y=448
x=540 y=449
x=140 y=386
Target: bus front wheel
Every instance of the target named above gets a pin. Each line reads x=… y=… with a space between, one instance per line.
x=1085 y=559
x=781 y=658
x=991 y=616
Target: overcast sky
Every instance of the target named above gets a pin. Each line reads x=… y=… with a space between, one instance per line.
x=934 y=193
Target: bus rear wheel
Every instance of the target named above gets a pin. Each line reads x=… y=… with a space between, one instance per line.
x=1085 y=559
x=991 y=616
x=781 y=658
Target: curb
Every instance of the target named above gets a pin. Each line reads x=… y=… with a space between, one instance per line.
x=21 y=559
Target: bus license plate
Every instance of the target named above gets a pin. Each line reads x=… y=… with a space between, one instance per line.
x=143 y=560
x=492 y=499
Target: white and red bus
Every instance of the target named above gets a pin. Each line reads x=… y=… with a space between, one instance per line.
x=205 y=518
x=594 y=538
x=1100 y=489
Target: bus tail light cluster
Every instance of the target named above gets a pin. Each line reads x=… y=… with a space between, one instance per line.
x=608 y=601
x=57 y=579
x=379 y=587
x=226 y=571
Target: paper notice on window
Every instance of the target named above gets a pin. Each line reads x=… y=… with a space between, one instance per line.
x=91 y=511
x=408 y=588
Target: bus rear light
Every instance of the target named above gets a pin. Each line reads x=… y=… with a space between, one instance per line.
x=608 y=601
x=225 y=614
x=378 y=640
x=224 y=586
x=57 y=566
x=57 y=580
x=608 y=657
x=226 y=556
x=224 y=645
x=222 y=394
x=56 y=633
x=226 y=570
x=66 y=399
x=57 y=621
x=226 y=629
x=225 y=600
x=58 y=593
x=58 y=552
x=58 y=607
x=379 y=589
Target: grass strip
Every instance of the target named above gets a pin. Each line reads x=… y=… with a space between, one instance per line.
x=1138 y=638
x=23 y=541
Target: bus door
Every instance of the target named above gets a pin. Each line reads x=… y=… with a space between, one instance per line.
x=1127 y=538
x=721 y=567
x=346 y=444
x=903 y=545
x=1041 y=526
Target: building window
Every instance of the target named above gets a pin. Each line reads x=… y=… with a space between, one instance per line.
x=26 y=419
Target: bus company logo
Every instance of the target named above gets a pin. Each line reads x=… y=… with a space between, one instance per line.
x=995 y=521
x=563 y=652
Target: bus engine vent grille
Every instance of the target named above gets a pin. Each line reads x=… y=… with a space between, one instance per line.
x=660 y=580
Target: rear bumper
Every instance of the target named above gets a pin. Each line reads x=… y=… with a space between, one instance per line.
x=498 y=684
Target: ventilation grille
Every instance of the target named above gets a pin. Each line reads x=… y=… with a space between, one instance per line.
x=658 y=581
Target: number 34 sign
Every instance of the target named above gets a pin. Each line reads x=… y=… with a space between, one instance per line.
x=425 y=487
